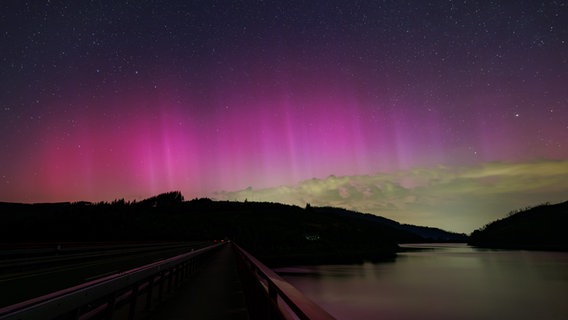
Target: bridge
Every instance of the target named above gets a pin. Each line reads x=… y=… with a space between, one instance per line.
x=218 y=281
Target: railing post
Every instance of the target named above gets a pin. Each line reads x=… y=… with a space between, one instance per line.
x=272 y=293
x=178 y=277
x=133 y=299
x=111 y=304
x=149 y=293
x=273 y=297
x=182 y=272
x=161 y=290
x=174 y=277
x=76 y=314
x=170 y=276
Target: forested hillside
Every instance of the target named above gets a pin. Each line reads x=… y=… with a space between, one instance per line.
x=274 y=232
x=542 y=227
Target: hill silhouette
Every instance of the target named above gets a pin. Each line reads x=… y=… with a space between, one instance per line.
x=426 y=234
x=275 y=233
x=538 y=228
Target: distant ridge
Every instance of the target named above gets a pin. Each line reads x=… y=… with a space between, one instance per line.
x=427 y=234
x=538 y=228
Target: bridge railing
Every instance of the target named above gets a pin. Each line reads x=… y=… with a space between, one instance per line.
x=125 y=293
x=273 y=297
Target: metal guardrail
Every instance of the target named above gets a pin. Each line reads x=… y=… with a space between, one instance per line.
x=103 y=297
x=273 y=297
x=58 y=255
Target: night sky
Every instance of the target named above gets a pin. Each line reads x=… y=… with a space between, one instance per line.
x=443 y=113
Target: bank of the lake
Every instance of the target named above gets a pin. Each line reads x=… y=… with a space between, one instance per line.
x=443 y=281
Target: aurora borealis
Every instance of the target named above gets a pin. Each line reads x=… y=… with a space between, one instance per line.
x=446 y=113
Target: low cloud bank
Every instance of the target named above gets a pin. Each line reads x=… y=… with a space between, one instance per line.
x=459 y=199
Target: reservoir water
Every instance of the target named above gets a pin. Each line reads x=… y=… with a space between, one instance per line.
x=442 y=281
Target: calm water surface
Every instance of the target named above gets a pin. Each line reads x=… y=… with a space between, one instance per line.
x=442 y=282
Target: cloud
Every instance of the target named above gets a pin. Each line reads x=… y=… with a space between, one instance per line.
x=455 y=198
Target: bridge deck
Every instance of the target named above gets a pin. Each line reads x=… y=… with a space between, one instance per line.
x=214 y=292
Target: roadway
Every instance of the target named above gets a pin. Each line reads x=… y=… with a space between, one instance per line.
x=214 y=292
x=27 y=272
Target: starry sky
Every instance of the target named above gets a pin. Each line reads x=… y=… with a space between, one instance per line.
x=441 y=113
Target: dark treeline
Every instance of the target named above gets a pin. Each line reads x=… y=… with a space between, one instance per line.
x=538 y=228
x=274 y=232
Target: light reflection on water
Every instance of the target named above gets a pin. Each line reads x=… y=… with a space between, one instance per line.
x=443 y=282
